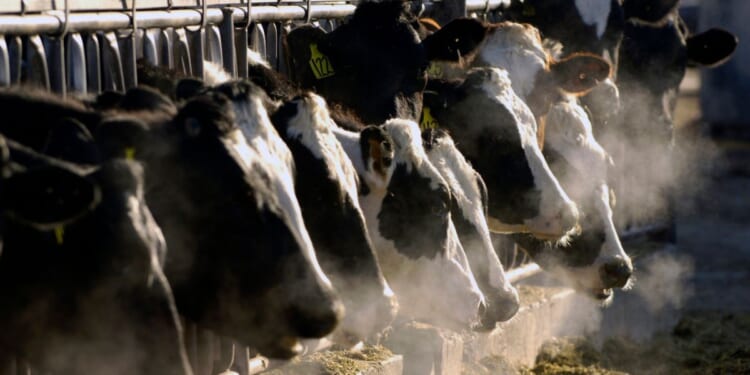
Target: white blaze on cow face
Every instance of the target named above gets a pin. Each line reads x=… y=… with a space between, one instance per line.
x=258 y=145
x=570 y=135
x=314 y=128
x=596 y=13
x=518 y=49
x=462 y=179
x=557 y=213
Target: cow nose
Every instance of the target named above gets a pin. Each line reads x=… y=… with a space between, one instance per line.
x=497 y=308
x=616 y=274
x=313 y=319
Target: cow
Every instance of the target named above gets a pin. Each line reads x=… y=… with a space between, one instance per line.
x=593 y=262
x=327 y=188
x=375 y=63
x=80 y=244
x=592 y=27
x=199 y=167
x=407 y=208
x=497 y=133
x=653 y=61
x=469 y=215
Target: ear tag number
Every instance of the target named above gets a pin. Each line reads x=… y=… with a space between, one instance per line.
x=319 y=63
x=59 y=235
x=428 y=122
x=130 y=153
x=434 y=70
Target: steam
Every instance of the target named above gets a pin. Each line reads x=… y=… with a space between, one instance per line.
x=664 y=281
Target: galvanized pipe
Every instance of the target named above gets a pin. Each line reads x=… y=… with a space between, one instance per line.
x=107 y=21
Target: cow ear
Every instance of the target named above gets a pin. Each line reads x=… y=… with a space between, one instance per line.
x=651 y=11
x=459 y=38
x=300 y=44
x=579 y=73
x=711 y=48
x=71 y=141
x=49 y=196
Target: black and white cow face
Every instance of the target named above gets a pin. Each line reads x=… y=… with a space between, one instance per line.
x=496 y=132
x=469 y=215
x=327 y=189
x=61 y=276
x=407 y=211
x=594 y=261
x=375 y=63
x=227 y=206
x=653 y=61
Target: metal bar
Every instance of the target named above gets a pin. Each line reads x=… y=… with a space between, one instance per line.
x=36 y=71
x=129 y=55
x=93 y=64
x=228 y=51
x=151 y=46
x=519 y=273
x=56 y=63
x=4 y=63
x=272 y=45
x=196 y=41
x=166 y=57
x=240 y=45
x=214 y=47
x=258 y=39
x=181 y=50
x=15 y=54
x=482 y=5
x=82 y=22
x=75 y=63
x=112 y=72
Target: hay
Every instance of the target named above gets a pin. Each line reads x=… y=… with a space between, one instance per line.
x=336 y=362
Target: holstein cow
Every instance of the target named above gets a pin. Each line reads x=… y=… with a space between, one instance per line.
x=375 y=63
x=199 y=167
x=469 y=215
x=407 y=207
x=592 y=26
x=497 y=133
x=80 y=272
x=653 y=60
x=327 y=187
x=593 y=262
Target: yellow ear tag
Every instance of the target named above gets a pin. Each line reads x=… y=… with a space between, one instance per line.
x=319 y=63
x=130 y=153
x=434 y=70
x=59 y=235
x=428 y=122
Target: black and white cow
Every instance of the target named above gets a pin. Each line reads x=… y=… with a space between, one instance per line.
x=497 y=133
x=199 y=167
x=375 y=63
x=407 y=207
x=594 y=261
x=469 y=215
x=80 y=270
x=327 y=188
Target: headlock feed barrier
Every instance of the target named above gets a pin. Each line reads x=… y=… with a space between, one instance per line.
x=75 y=47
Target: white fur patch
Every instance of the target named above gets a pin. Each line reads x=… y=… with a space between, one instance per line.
x=409 y=150
x=259 y=146
x=254 y=58
x=214 y=74
x=461 y=178
x=313 y=125
x=517 y=49
x=595 y=12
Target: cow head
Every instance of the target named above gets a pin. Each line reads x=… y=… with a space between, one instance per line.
x=496 y=132
x=409 y=220
x=375 y=63
x=594 y=261
x=469 y=215
x=327 y=189
x=221 y=188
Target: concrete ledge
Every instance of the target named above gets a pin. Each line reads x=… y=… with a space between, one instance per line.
x=427 y=350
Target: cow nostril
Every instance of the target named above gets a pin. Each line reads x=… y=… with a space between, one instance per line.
x=314 y=323
x=616 y=274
